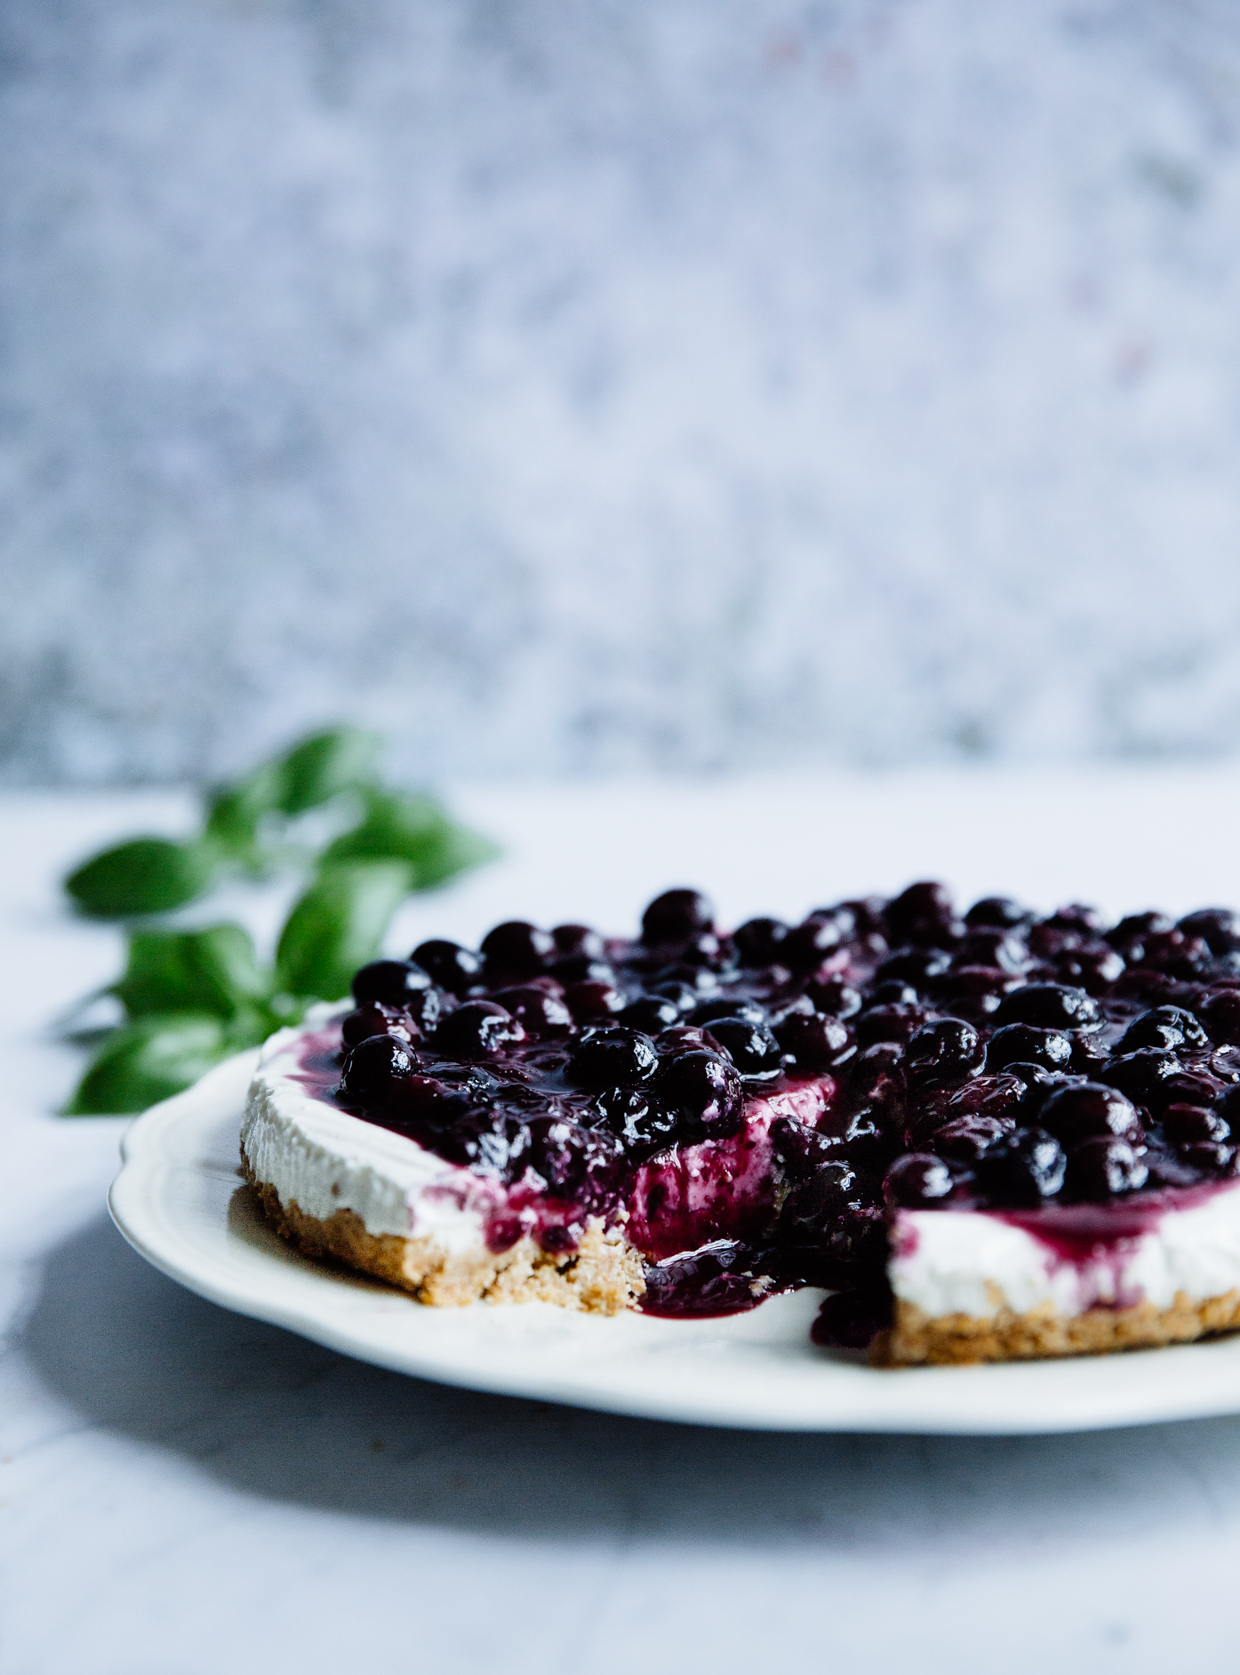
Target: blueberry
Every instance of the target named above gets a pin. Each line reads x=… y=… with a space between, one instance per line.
x=650 y=1013
x=1186 y=1124
x=1076 y=916
x=377 y=1019
x=806 y=947
x=1216 y=926
x=869 y=1139
x=801 y=1148
x=490 y=1142
x=516 y=949
x=1141 y=1075
x=917 y=1181
x=890 y=1023
x=391 y=982
x=1025 y=1044
x=565 y=1154
x=835 y=996
x=748 y=1010
x=980 y=987
x=995 y=949
x=373 y=1066
x=1087 y=1111
x=676 y=916
x=1049 y=1006
x=1040 y=1084
x=1000 y=911
x=1093 y=969
x=641 y=1122
x=751 y=1047
x=614 y=1057
x=893 y=992
x=1220 y=1013
x=814 y=1040
x=476 y=1030
x=991 y=1095
x=967 y=1139
x=578 y=939
x=454 y=968
x=683 y=996
x=538 y=1012
x=822 y=1197
x=1104 y=1168
x=945 y=1051
x=706 y=1090
x=699 y=978
x=590 y=1002
x=917 y=966
x=923 y=915
x=1022 y=1169
x=757 y=942
x=581 y=968
x=850 y=1319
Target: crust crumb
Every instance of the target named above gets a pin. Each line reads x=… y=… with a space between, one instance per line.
x=603 y=1275
x=915 y=1339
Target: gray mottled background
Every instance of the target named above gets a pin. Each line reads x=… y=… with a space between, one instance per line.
x=582 y=385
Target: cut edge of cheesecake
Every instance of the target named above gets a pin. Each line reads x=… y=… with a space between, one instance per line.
x=602 y=1275
x=1044 y=1333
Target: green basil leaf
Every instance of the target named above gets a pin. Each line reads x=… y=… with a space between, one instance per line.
x=211 y=971
x=145 y=875
x=415 y=830
x=337 y=926
x=146 y=1062
x=235 y=811
x=321 y=767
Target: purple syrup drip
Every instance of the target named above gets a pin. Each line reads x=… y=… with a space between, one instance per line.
x=724 y=1277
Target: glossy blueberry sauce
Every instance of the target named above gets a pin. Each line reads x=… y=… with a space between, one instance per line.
x=754 y=1107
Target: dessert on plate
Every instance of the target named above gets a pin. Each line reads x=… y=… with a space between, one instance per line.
x=989 y=1137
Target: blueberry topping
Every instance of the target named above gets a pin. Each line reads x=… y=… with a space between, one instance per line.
x=476 y=1030
x=683 y=996
x=967 y=1139
x=454 y=968
x=1087 y=1111
x=675 y=917
x=377 y=1019
x=1167 y=1027
x=751 y=1047
x=814 y=1040
x=1022 y=1169
x=705 y=1089
x=578 y=939
x=1049 y=1006
x=638 y=1118
x=1026 y=1044
x=1000 y=911
x=1186 y=1124
x=537 y=1011
x=835 y=997
x=652 y=1013
x=806 y=947
x=1216 y=926
x=516 y=949
x=1141 y=1075
x=390 y=982
x=615 y=1057
x=916 y=1181
x=890 y=1023
x=593 y=1001
x=947 y=1050
x=757 y=941
x=373 y=1066
x=1220 y=1013
x=923 y=915
x=1104 y=1168
x=581 y=968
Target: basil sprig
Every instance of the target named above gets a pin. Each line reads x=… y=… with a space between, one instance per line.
x=192 y=996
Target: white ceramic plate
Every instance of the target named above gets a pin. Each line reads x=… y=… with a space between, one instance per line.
x=179 y=1201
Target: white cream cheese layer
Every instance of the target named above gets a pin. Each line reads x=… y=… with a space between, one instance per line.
x=325 y=1160
x=966 y=1262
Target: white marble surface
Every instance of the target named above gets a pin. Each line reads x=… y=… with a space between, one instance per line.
x=590 y=385
x=185 y=1491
